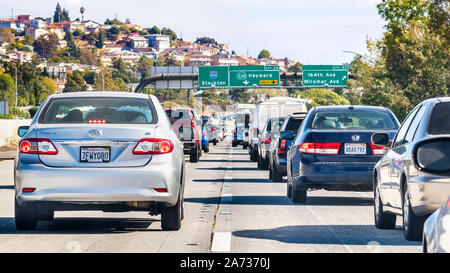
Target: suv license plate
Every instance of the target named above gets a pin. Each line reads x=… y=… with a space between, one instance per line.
x=95 y=154
x=355 y=148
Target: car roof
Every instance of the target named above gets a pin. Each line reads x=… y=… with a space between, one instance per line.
x=340 y=108
x=100 y=94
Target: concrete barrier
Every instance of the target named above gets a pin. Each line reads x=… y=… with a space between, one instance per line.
x=8 y=130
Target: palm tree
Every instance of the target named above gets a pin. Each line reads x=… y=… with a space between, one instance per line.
x=82 y=10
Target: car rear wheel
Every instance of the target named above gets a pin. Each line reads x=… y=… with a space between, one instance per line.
x=253 y=155
x=171 y=216
x=264 y=165
x=245 y=146
x=299 y=196
x=383 y=220
x=47 y=215
x=194 y=156
x=215 y=142
x=412 y=223
x=25 y=217
x=276 y=175
x=206 y=149
x=289 y=190
x=234 y=144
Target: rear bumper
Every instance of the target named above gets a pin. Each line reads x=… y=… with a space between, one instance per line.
x=87 y=185
x=335 y=175
x=428 y=193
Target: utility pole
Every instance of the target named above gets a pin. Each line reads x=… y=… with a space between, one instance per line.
x=15 y=104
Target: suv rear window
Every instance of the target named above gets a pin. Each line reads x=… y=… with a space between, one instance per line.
x=439 y=119
x=354 y=120
x=293 y=124
x=98 y=110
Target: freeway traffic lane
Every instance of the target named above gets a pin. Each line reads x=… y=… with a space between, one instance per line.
x=230 y=206
x=255 y=215
x=94 y=231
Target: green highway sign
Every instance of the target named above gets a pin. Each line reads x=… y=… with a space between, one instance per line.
x=238 y=76
x=325 y=75
x=213 y=76
x=254 y=76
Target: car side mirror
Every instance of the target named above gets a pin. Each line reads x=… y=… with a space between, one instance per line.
x=287 y=135
x=382 y=139
x=22 y=130
x=432 y=155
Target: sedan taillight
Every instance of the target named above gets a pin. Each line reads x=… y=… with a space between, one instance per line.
x=320 y=148
x=153 y=146
x=37 y=146
x=377 y=149
x=282 y=149
x=267 y=140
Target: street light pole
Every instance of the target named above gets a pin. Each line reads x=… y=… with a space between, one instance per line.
x=358 y=54
x=15 y=104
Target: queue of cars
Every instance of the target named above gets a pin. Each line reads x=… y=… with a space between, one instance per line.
x=79 y=149
x=362 y=148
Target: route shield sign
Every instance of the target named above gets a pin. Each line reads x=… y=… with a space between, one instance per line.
x=254 y=75
x=325 y=75
x=213 y=76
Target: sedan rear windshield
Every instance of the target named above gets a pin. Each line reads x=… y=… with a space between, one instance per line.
x=98 y=110
x=354 y=120
x=293 y=124
x=439 y=119
x=178 y=115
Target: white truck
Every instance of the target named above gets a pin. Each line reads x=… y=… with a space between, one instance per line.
x=273 y=107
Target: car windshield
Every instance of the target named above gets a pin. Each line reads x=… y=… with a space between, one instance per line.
x=354 y=120
x=439 y=124
x=98 y=110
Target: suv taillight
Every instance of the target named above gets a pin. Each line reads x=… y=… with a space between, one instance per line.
x=282 y=149
x=377 y=149
x=37 y=146
x=267 y=140
x=320 y=148
x=153 y=146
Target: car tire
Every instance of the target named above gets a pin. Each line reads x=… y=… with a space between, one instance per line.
x=276 y=175
x=171 y=216
x=258 y=161
x=289 y=190
x=215 y=142
x=382 y=219
x=412 y=223
x=299 y=196
x=25 y=217
x=234 y=144
x=245 y=146
x=253 y=157
x=206 y=149
x=270 y=173
x=194 y=156
x=47 y=215
x=264 y=164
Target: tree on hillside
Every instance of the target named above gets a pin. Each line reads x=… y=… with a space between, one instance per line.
x=6 y=35
x=75 y=82
x=154 y=30
x=7 y=89
x=88 y=56
x=206 y=41
x=46 y=45
x=322 y=97
x=49 y=87
x=82 y=10
x=297 y=67
x=73 y=51
x=65 y=15
x=113 y=22
x=144 y=66
x=58 y=14
x=264 y=54
x=169 y=32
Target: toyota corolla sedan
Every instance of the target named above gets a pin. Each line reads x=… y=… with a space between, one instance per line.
x=333 y=149
x=107 y=151
x=413 y=179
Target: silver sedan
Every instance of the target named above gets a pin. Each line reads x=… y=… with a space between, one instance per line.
x=108 y=151
x=436 y=231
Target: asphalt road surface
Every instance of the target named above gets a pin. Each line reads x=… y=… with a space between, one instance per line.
x=230 y=206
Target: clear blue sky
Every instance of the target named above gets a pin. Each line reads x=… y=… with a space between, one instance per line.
x=315 y=32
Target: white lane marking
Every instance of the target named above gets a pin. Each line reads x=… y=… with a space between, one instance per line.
x=227 y=197
x=221 y=242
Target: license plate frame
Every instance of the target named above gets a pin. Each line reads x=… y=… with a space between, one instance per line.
x=355 y=148
x=85 y=158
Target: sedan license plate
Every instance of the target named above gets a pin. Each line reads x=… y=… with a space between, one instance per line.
x=95 y=154
x=355 y=148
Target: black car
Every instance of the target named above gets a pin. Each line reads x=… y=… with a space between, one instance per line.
x=333 y=149
x=281 y=145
